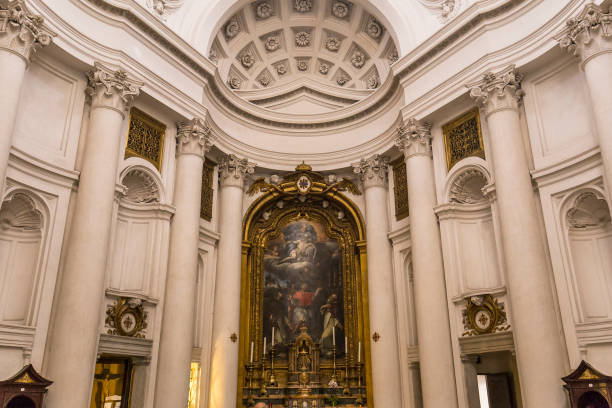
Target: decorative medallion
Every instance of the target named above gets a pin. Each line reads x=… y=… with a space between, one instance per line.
x=302 y=39
x=340 y=9
x=333 y=44
x=272 y=43
x=303 y=184
x=264 y=10
x=324 y=68
x=374 y=29
x=234 y=83
x=358 y=59
x=484 y=315
x=126 y=318
x=303 y=6
x=247 y=60
x=342 y=80
x=232 y=28
x=281 y=69
x=373 y=82
x=302 y=65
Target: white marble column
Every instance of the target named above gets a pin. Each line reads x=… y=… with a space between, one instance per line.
x=176 y=340
x=589 y=35
x=21 y=33
x=226 y=312
x=538 y=339
x=77 y=314
x=433 y=329
x=381 y=293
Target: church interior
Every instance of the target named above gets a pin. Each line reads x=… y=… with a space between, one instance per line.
x=305 y=203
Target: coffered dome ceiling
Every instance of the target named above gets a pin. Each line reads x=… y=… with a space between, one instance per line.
x=303 y=56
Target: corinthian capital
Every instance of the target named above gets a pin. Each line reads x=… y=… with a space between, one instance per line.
x=372 y=171
x=111 y=89
x=193 y=137
x=22 y=32
x=414 y=138
x=233 y=170
x=588 y=34
x=498 y=90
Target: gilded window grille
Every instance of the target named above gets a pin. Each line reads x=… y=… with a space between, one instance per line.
x=463 y=138
x=206 y=202
x=400 y=188
x=145 y=138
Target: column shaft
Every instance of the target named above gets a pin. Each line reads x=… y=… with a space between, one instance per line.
x=176 y=340
x=381 y=293
x=74 y=338
x=433 y=328
x=21 y=33
x=538 y=340
x=226 y=314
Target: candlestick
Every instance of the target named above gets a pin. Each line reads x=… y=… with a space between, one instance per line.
x=264 y=350
x=347 y=380
x=334 y=335
x=359 y=353
x=252 y=344
x=345 y=345
x=272 y=336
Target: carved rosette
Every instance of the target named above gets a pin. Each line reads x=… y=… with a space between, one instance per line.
x=193 y=137
x=372 y=171
x=414 y=138
x=111 y=89
x=22 y=32
x=588 y=34
x=232 y=170
x=498 y=91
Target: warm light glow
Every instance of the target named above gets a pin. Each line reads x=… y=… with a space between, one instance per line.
x=194 y=385
x=483 y=392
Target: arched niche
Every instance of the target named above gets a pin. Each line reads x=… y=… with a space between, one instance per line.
x=22 y=225
x=468 y=231
x=586 y=220
x=142 y=185
x=304 y=241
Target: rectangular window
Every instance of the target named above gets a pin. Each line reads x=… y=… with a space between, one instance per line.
x=112 y=383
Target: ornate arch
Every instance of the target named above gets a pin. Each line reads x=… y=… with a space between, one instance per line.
x=301 y=196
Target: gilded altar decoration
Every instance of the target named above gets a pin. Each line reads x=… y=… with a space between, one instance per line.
x=400 y=188
x=145 y=138
x=304 y=311
x=463 y=138
x=206 y=198
x=126 y=318
x=484 y=315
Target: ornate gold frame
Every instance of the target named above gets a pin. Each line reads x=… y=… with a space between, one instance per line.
x=264 y=221
x=447 y=128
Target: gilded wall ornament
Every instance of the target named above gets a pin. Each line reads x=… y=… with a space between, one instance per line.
x=463 y=138
x=126 y=318
x=272 y=43
x=358 y=59
x=302 y=39
x=340 y=9
x=484 y=315
x=264 y=10
x=207 y=194
x=145 y=138
x=303 y=6
x=333 y=44
x=232 y=28
x=374 y=29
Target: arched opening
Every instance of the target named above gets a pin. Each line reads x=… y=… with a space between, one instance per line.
x=592 y=399
x=21 y=401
